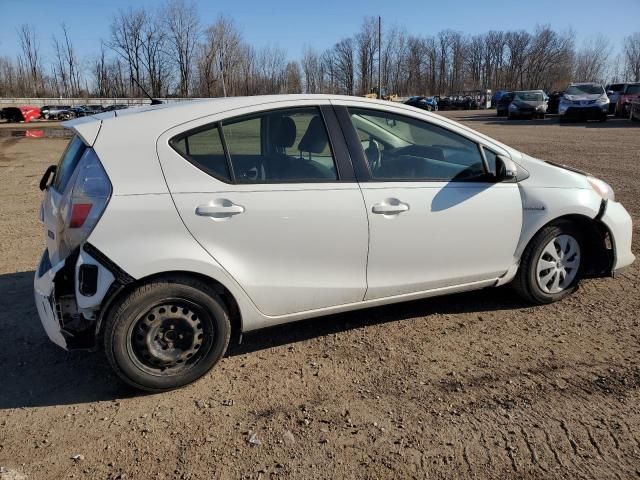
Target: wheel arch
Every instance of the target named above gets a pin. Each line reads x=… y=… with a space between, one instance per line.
x=235 y=315
x=596 y=239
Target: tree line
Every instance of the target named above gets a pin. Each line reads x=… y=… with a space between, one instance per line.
x=168 y=51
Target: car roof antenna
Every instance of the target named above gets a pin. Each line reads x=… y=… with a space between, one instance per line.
x=154 y=101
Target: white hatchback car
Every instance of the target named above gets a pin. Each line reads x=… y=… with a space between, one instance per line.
x=172 y=228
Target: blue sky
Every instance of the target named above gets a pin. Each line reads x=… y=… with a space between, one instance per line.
x=293 y=24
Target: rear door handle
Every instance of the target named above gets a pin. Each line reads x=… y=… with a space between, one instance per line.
x=226 y=208
x=390 y=206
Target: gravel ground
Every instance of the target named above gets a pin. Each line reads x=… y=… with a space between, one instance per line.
x=476 y=385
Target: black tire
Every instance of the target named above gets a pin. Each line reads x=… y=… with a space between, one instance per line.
x=137 y=345
x=603 y=118
x=525 y=281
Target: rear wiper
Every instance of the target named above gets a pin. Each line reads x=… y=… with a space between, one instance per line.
x=48 y=174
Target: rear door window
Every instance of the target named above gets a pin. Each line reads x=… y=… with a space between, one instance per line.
x=281 y=146
x=68 y=163
x=203 y=148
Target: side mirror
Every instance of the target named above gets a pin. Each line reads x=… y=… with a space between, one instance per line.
x=506 y=169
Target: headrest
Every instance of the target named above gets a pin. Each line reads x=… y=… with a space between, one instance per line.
x=283 y=132
x=314 y=139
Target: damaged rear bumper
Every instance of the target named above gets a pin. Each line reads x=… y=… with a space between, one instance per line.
x=69 y=296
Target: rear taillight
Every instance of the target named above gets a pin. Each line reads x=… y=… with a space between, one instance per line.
x=79 y=213
x=88 y=198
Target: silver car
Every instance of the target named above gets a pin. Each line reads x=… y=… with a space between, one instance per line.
x=586 y=101
x=528 y=103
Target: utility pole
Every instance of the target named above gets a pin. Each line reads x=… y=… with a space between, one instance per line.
x=379 y=62
x=224 y=88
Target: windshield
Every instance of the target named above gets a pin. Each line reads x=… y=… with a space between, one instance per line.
x=528 y=96
x=584 y=90
x=631 y=89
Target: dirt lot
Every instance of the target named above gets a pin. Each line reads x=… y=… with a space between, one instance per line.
x=475 y=385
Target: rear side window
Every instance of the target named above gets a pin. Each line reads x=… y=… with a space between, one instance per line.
x=277 y=146
x=204 y=149
x=282 y=146
x=68 y=163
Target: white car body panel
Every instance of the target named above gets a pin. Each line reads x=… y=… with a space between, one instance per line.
x=453 y=233
x=310 y=252
x=147 y=227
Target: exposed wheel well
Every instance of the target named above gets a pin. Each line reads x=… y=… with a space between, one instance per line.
x=225 y=294
x=598 y=260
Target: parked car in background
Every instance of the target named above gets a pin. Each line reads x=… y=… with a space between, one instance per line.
x=502 y=107
x=630 y=94
x=528 y=104
x=226 y=222
x=59 y=112
x=111 y=108
x=634 y=114
x=497 y=95
x=613 y=92
x=584 y=101
x=425 y=103
x=444 y=103
x=44 y=112
x=93 y=109
x=24 y=113
x=554 y=101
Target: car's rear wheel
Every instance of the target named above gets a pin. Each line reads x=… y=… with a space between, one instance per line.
x=551 y=265
x=166 y=333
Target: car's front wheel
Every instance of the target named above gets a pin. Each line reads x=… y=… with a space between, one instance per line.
x=166 y=333
x=551 y=265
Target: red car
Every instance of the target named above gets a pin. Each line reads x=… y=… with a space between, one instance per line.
x=24 y=113
x=630 y=94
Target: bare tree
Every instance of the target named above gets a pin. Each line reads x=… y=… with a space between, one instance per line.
x=366 y=42
x=219 y=56
x=591 y=60
x=293 y=78
x=182 y=25
x=344 y=64
x=632 y=56
x=312 y=70
x=126 y=41
x=30 y=56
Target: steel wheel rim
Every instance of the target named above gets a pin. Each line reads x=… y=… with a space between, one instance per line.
x=170 y=338
x=558 y=264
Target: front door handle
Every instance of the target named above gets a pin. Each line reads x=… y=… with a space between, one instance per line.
x=390 y=206
x=219 y=209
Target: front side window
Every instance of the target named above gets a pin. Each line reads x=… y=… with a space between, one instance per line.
x=403 y=148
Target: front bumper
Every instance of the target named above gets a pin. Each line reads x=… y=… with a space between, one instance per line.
x=619 y=223
x=591 y=112
x=526 y=112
